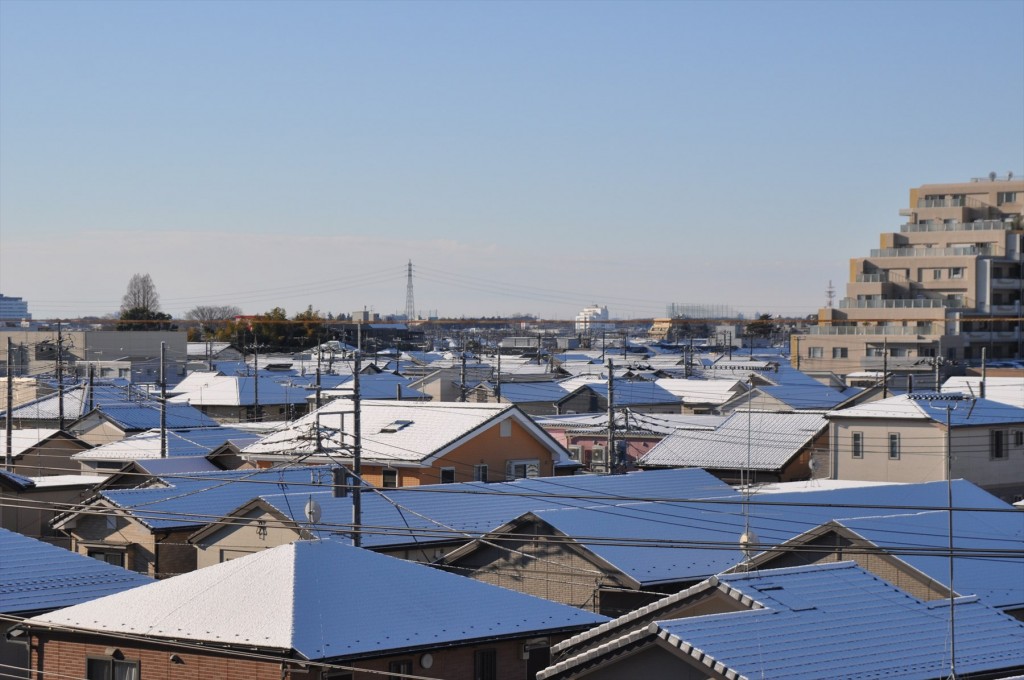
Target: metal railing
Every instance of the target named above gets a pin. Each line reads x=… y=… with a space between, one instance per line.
x=928 y=329
x=923 y=303
x=936 y=252
x=977 y=225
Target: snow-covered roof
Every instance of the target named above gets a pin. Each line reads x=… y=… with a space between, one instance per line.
x=214 y=389
x=288 y=599
x=932 y=406
x=23 y=440
x=808 y=622
x=36 y=576
x=1003 y=389
x=393 y=431
x=184 y=442
x=702 y=391
x=757 y=440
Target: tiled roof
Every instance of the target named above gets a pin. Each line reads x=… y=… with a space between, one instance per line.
x=23 y=440
x=989 y=545
x=428 y=514
x=184 y=442
x=811 y=622
x=829 y=620
x=137 y=416
x=702 y=391
x=933 y=406
x=37 y=576
x=213 y=389
x=757 y=440
x=289 y=599
x=194 y=499
x=76 y=402
x=805 y=397
x=547 y=391
x=635 y=393
x=1006 y=390
x=660 y=423
x=391 y=430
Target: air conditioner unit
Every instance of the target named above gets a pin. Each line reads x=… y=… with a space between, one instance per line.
x=575 y=451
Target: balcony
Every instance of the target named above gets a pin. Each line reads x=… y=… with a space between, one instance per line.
x=875 y=330
x=977 y=225
x=847 y=303
x=947 y=202
x=957 y=251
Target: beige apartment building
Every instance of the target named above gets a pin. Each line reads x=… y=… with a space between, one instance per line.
x=944 y=288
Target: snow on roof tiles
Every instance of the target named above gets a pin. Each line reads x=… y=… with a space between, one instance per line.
x=288 y=598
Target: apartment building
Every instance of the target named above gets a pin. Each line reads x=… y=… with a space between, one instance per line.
x=936 y=294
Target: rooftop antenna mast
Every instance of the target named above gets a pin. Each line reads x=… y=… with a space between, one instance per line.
x=410 y=305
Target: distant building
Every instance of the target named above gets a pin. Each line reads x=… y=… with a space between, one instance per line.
x=592 y=319
x=946 y=286
x=13 y=309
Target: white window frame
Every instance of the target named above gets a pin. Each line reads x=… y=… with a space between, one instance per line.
x=857 y=445
x=526 y=464
x=505 y=428
x=894 y=445
x=998 y=445
x=384 y=478
x=480 y=472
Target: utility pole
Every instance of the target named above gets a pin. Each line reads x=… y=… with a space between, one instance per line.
x=357 y=461
x=497 y=385
x=462 y=375
x=885 y=368
x=92 y=386
x=60 y=378
x=9 y=418
x=163 y=400
x=256 y=377
x=610 y=445
x=319 y=353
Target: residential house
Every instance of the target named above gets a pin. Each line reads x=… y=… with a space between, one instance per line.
x=615 y=557
x=424 y=523
x=411 y=443
x=57 y=408
x=178 y=443
x=146 y=529
x=27 y=504
x=702 y=396
x=911 y=551
x=235 y=398
x=819 y=621
x=585 y=435
x=113 y=422
x=533 y=397
x=36 y=578
x=931 y=436
x=640 y=396
x=312 y=610
x=38 y=451
x=1006 y=389
x=749 y=447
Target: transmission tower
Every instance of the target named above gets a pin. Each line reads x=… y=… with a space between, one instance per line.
x=410 y=305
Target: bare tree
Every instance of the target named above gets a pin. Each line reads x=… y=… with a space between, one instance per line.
x=141 y=295
x=208 y=313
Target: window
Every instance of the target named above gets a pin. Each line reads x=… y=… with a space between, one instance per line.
x=390 y=479
x=115 y=557
x=998 y=450
x=402 y=666
x=1018 y=438
x=520 y=469
x=111 y=669
x=840 y=352
x=448 y=475
x=485 y=664
x=857 y=444
x=894 y=446
x=815 y=352
x=936 y=274
x=1006 y=197
x=505 y=429
x=480 y=473
x=956 y=272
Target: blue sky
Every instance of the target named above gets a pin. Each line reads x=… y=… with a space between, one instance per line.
x=526 y=156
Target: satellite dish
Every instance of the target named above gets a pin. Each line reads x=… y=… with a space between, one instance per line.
x=313 y=511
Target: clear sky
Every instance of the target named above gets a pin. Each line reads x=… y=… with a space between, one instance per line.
x=526 y=156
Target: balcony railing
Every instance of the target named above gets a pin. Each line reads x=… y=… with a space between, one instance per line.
x=927 y=329
x=935 y=252
x=950 y=202
x=849 y=303
x=977 y=225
